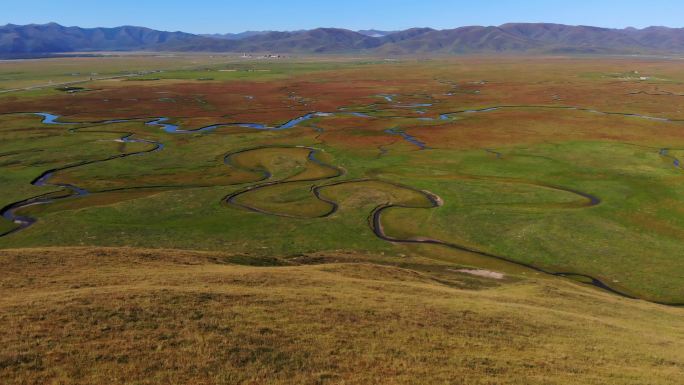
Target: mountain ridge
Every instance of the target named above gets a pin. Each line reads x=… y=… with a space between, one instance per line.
x=505 y=38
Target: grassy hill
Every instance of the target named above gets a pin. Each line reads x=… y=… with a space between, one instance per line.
x=136 y=316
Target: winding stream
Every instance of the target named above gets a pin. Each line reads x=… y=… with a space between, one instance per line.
x=375 y=218
x=409 y=138
x=10 y=212
x=375 y=224
x=311 y=156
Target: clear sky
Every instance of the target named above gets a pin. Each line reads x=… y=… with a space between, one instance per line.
x=216 y=16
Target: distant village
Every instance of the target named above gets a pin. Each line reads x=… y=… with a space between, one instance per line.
x=266 y=56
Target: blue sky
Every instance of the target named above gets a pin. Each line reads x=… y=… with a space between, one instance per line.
x=208 y=16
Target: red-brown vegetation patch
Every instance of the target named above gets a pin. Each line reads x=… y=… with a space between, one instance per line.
x=520 y=126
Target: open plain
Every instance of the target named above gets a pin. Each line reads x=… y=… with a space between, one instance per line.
x=342 y=220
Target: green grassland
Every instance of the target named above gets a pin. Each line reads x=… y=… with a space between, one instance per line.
x=500 y=205
x=250 y=70
x=40 y=72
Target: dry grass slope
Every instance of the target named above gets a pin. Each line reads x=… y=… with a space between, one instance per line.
x=131 y=316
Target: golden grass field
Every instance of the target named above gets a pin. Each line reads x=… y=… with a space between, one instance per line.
x=136 y=316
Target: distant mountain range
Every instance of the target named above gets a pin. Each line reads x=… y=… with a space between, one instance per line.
x=36 y=39
x=52 y=37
